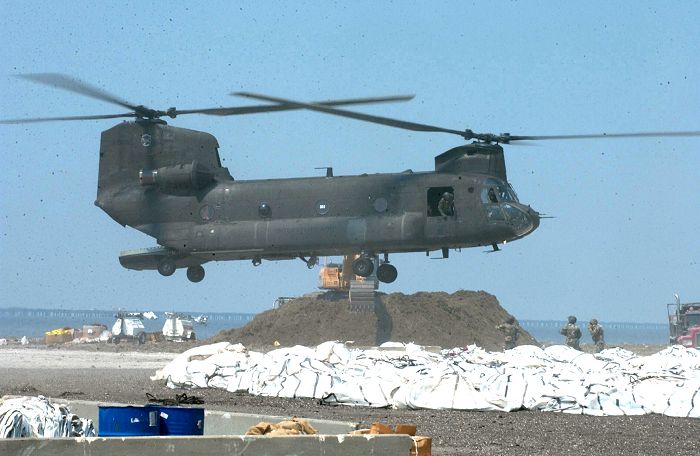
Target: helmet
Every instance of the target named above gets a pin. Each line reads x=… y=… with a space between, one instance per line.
x=448 y=196
x=510 y=319
x=572 y=319
x=593 y=321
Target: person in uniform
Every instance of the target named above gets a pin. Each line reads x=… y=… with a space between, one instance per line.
x=572 y=333
x=511 y=332
x=446 y=205
x=597 y=335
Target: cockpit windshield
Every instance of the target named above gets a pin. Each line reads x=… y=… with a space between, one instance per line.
x=495 y=191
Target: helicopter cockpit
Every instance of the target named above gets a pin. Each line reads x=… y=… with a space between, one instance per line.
x=495 y=191
x=503 y=207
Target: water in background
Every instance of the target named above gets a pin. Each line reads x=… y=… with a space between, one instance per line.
x=33 y=323
x=547 y=331
x=16 y=322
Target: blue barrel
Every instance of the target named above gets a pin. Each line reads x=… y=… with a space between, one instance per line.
x=120 y=421
x=181 y=420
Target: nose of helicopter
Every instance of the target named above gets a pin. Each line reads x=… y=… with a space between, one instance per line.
x=534 y=217
x=522 y=219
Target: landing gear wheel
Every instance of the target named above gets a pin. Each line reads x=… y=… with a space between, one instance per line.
x=193 y=337
x=166 y=267
x=142 y=338
x=387 y=273
x=116 y=340
x=364 y=267
x=195 y=273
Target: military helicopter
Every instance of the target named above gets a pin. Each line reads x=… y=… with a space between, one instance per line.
x=168 y=182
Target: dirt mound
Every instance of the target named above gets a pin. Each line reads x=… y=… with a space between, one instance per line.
x=447 y=320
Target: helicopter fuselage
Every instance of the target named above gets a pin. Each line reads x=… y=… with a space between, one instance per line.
x=176 y=191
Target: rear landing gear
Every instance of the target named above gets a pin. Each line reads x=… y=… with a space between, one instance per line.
x=195 y=273
x=387 y=273
x=363 y=266
x=166 y=267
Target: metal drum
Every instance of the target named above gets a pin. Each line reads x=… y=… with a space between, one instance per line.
x=121 y=421
x=181 y=420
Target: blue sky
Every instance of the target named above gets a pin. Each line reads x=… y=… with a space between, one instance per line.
x=625 y=236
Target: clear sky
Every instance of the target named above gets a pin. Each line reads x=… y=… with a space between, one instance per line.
x=627 y=226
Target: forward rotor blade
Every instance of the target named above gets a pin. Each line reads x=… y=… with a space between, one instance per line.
x=52 y=119
x=73 y=85
x=650 y=134
x=356 y=115
x=233 y=111
x=240 y=110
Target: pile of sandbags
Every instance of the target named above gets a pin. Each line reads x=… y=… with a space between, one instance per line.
x=557 y=378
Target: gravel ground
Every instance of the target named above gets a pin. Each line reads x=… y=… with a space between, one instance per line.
x=115 y=378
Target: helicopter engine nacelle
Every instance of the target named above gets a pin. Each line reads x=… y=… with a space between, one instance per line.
x=190 y=176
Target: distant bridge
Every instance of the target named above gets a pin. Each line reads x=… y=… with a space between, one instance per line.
x=83 y=315
x=556 y=324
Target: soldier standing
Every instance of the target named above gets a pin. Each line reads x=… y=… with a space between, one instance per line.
x=596 y=331
x=572 y=333
x=511 y=331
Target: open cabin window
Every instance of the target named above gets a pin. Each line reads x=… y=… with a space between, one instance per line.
x=441 y=202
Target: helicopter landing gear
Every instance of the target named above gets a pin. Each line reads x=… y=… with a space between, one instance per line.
x=257 y=261
x=363 y=266
x=166 y=267
x=387 y=273
x=310 y=262
x=195 y=273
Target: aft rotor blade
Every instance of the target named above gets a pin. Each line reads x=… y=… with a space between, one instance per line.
x=233 y=111
x=73 y=85
x=52 y=119
x=650 y=134
x=356 y=115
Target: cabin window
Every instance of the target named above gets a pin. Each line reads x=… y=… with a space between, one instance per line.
x=322 y=207
x=264 y=210
x=441 y=202
x=380 y=204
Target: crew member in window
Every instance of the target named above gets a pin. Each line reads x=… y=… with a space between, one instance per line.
x=446 y=206
x=492 y=196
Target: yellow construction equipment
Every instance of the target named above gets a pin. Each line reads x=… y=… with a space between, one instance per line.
x=332 y=276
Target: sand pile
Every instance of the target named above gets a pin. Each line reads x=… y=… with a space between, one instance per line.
x=446 y=320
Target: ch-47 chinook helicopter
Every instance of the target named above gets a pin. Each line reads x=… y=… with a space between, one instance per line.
x=168 y=182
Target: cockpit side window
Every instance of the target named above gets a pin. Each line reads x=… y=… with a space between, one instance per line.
x=441 y=202
x=488 y=195
x=495 y=192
